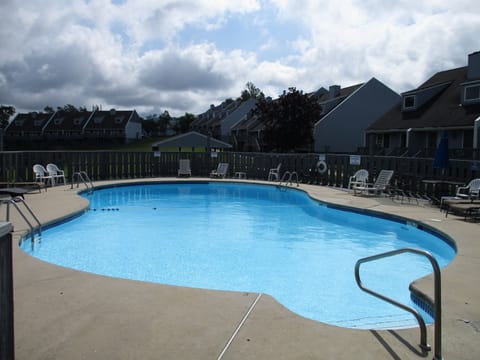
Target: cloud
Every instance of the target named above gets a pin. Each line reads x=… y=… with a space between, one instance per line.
x=156 y=56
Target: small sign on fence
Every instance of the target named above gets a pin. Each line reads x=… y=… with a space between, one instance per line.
x=355 y=159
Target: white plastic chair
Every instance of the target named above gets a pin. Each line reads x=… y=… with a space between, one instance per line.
x=274 y=173
x=41 y=174
x=56 y=173
x=470 y=191
x=359 y=178
x=221 y=171
x=379 y=186
x=184 y=167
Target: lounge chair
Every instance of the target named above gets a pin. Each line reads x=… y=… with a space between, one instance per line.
x=380 y=185
x=359 y=178
x=274 y=174
x=184 y=167
x=470 y=191
x=41 y=174
x=56 y=173
x=221 y=171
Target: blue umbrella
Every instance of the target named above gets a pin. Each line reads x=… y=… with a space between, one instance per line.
x=441 y=155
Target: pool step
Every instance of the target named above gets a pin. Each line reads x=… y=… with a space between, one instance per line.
x=394 y=321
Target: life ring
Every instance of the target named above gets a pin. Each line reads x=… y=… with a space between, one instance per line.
x=321 y=166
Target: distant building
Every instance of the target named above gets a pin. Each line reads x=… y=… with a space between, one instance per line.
x=448 y=101
x=346 y=113
x=65 y=129
x=190 y=142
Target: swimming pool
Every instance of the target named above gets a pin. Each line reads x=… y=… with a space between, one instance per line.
x=245 y=237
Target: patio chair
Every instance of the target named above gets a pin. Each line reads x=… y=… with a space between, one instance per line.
x=380 y=185
x=41 y=174
x=274 y=174
x=470 y=191
x=221 y=171
x=56 y=173
x=184 y=168
x=359 y=178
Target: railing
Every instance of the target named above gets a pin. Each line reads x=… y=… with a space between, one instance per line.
x=287 y=178
x=83 y=177
x=16 y=201
x=437 y=292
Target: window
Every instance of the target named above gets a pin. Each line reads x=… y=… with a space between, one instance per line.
x=409 y=102
x=58 y=121
x=118 y=119
x=78 y=121
x=37 y=122
x=472 y=93
x=98 y=120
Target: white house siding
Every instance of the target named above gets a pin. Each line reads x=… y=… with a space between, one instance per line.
x=237 y=115
x=342 y=129
x=133 y=129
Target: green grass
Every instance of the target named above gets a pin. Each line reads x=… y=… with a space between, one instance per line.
x=138 y=145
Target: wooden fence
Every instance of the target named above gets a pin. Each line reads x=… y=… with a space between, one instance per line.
x=16 y=166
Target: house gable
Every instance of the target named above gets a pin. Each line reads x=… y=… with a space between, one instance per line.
x=342 y=129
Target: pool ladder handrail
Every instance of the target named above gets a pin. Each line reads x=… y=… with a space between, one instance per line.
x=83 y=176
x=289 y=179
x=437 y=294
x=14 y=201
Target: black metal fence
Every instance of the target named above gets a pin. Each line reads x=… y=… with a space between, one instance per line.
x=16 y=166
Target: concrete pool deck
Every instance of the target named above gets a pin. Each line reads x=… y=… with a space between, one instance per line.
x=66 y=314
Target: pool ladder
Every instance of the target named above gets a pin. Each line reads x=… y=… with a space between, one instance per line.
x=287 y=178
x=18 y=200
x=437 y=294
x=83 y=177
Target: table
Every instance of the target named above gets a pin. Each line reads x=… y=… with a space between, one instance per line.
x=14 y=191
x=240 y=175
x=440 y=188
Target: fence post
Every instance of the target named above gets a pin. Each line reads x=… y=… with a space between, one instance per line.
x=7 y=344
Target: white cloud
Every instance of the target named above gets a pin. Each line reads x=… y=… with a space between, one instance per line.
x=131 y=55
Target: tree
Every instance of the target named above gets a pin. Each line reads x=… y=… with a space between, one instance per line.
x=164 y=121
x=150 y=124
x=5 y=113
x=67 y=108
x=288 y=120
x=48 y=109
x=251 y=91
x=183 y=123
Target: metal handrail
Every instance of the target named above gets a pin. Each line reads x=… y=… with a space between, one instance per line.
x=82 y=175
x=16 y=200
x=289 y=180
x=437 y=295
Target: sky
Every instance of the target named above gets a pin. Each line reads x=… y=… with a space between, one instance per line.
x=181 y=56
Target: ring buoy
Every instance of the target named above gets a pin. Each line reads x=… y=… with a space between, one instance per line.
x=321 y=166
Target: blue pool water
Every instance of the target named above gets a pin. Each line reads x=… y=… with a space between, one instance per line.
x=243 y=237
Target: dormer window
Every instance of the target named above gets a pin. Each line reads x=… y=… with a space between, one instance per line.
x=118 y=119
x=98 y=120
x=472 y=93
x=58 y=121
x=409 y=102
x=77 y=121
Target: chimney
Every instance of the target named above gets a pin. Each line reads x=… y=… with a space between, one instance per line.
x=473 y=71
x=334 y=91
